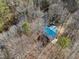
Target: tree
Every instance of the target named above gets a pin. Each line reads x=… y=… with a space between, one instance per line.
x=71 y=5
x=44 y=5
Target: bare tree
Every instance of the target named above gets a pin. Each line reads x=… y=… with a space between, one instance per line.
x=71 y=5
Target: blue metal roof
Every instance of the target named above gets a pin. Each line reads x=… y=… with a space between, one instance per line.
x=50 y=32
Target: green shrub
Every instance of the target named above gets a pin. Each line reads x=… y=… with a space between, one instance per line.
x=1 y=26
x=26 y=27
x=4 y=14
x=4 y=9
x=64 y=41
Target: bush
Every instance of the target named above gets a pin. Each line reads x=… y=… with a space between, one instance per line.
x=4 y=11
x=64 y=41
x=26 y=27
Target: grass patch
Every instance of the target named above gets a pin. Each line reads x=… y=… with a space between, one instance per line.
x=64 y=42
